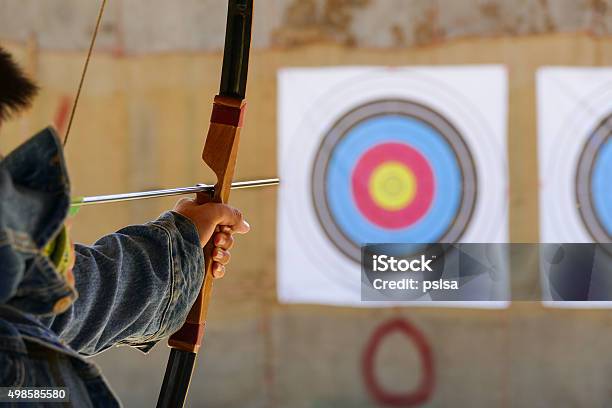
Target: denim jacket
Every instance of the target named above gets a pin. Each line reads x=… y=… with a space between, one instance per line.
x=133 y=287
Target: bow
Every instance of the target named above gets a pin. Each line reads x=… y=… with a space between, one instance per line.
x=220 y=153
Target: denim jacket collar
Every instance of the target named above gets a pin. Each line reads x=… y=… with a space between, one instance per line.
x=34 y=202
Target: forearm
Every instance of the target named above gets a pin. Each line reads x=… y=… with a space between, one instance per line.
x=135 y=286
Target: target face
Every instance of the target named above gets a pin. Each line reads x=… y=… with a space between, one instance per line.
x=393 y=171
x=383 y=155
x=593 y=192
x=575 y=156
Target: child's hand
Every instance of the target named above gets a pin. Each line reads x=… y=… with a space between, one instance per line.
x=219 y=219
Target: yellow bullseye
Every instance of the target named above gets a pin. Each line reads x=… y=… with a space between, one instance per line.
x=393 y=186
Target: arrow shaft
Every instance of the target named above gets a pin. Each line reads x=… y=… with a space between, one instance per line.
x=143 y=195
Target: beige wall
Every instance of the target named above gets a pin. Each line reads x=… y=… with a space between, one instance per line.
x=140 y=125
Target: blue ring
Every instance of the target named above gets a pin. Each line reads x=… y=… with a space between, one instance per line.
x=600 y=186
x=421 y=137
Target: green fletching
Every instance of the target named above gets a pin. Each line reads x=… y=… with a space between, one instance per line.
x=75 y=206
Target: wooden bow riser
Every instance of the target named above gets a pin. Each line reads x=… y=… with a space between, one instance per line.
x=220 y=154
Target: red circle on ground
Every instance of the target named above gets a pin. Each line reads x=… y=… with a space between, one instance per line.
x=426 y=386
x=412 y=159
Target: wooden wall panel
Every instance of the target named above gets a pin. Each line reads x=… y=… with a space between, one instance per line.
x=141 y=124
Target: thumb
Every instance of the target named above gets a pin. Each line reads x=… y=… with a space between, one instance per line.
x=225 y=215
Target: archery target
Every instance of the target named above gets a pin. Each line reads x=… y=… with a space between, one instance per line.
x=377 y=155
x=575 y=152
x=393 y=171
x=593 y=191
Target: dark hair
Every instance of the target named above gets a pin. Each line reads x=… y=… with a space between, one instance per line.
x=16 y=90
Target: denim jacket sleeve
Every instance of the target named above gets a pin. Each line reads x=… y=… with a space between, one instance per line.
x=135 y=286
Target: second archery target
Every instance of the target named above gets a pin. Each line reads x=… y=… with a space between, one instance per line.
x=575 y=154
x=373 y=155
x=575 y=158
x=593 y=190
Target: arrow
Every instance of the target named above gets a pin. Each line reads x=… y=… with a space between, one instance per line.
x=143 y=195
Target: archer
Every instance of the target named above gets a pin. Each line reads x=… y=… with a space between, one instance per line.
x=60 y=302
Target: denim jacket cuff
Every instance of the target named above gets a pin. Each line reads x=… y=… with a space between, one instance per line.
x=187 y=260
x=185 y=226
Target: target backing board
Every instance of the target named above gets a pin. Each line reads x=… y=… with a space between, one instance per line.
x=385 y=155
x=575 y=159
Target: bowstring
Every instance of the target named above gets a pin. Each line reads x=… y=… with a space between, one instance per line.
x=84 y=71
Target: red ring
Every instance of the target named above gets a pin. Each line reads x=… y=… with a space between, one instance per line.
x=411 y=158
x=426 y=386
